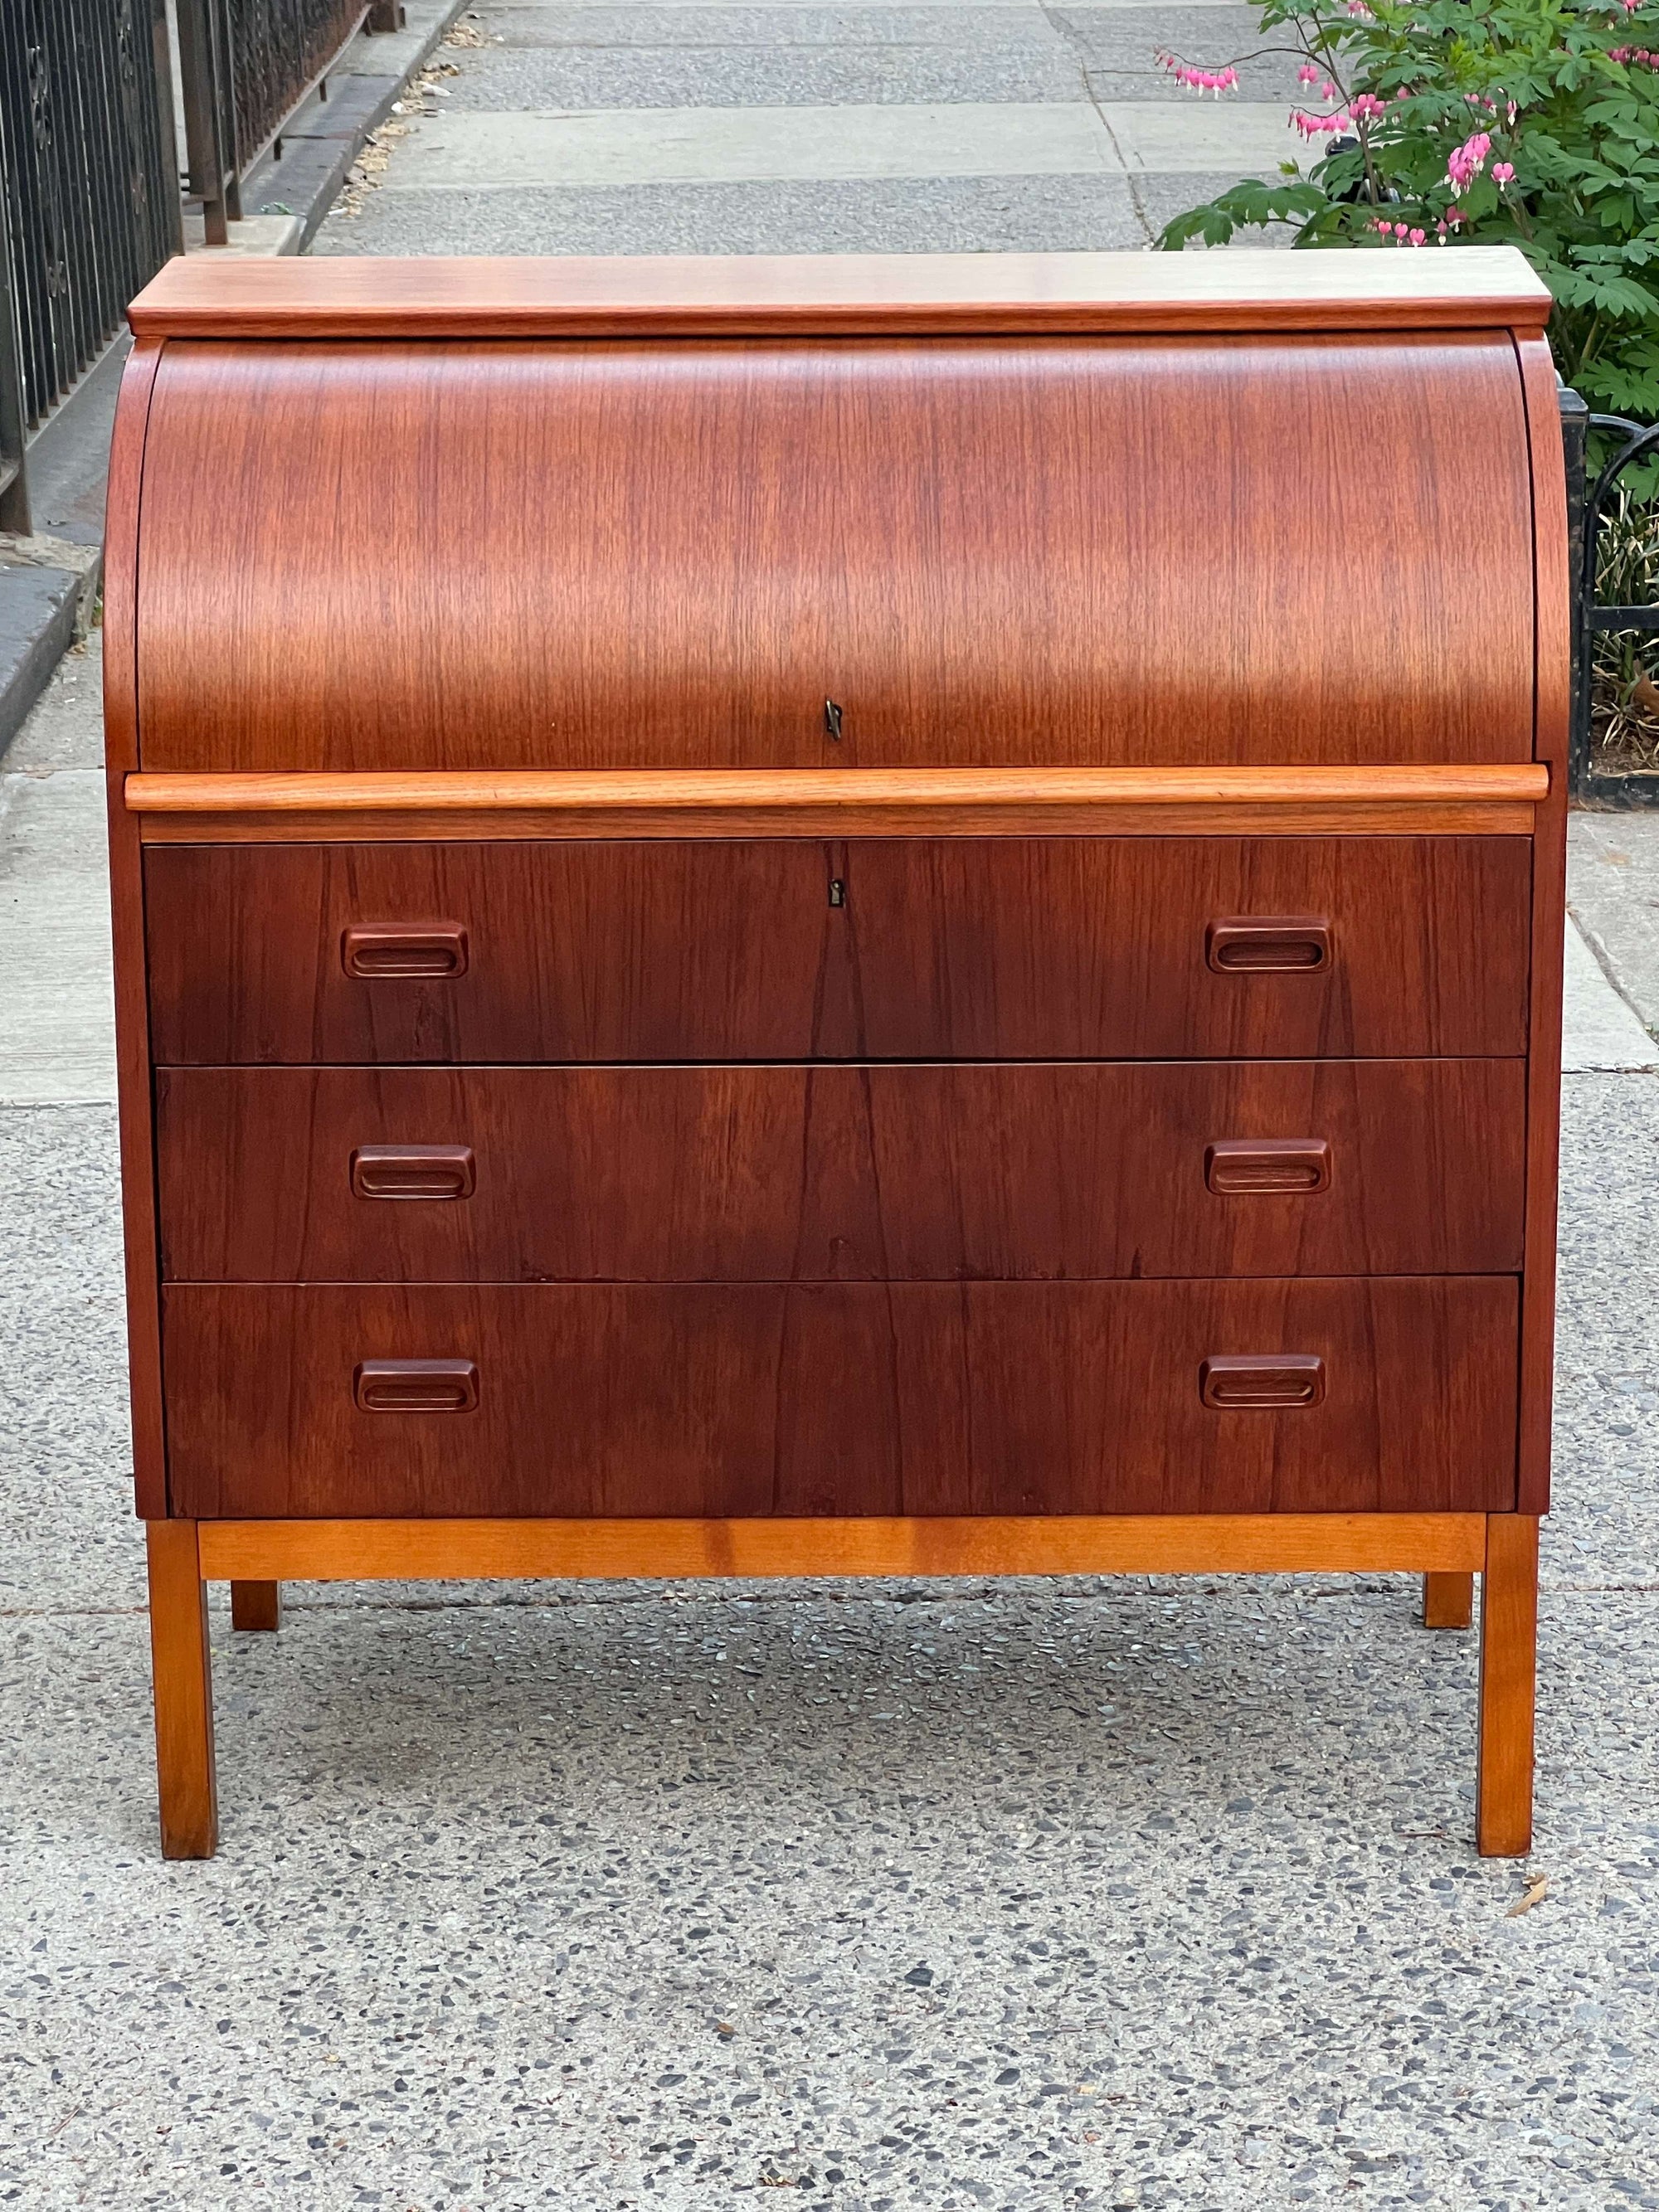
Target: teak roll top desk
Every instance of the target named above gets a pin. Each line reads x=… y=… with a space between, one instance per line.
x=839 y=916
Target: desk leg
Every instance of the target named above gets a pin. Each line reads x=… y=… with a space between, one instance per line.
x=183 y=1692
x=1448 y=1601
x=259 y=1605
x=1509 y=1642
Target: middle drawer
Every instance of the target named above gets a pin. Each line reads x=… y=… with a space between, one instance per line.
x=1008 y=1172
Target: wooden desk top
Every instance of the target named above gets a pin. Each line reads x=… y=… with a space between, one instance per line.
x=1463 y=288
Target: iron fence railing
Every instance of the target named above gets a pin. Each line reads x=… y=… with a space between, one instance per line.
x=278 y=49
x=88 y=196
x=245 y=66
x=1622 y=444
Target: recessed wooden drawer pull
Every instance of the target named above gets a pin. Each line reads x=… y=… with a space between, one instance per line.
x=371 y=950
x=1242 y=1381
x=416 y=1386
x=1278 y=1166
x=413 y=1171
x=1271 y=944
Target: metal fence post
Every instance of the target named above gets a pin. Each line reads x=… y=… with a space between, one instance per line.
x=224 y=81
x=207 y=157
x=167 y=123
x=14 y=513
x=14 y=407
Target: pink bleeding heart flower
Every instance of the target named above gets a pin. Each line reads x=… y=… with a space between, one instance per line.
x=1199 y=80
x=1467 y=161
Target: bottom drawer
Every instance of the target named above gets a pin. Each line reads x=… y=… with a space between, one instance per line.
x=615 y=1399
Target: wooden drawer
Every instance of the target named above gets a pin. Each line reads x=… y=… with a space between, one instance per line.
x=848 y=1398
x=841 y=1173
x=1060 y=948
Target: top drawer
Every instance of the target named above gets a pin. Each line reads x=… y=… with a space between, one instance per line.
x=901 y=949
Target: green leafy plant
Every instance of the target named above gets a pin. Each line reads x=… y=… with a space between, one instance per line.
x=1534 y=123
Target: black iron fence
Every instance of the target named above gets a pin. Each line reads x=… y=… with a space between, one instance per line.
x=245 y=65
x=1614 y=550
x=89 y=196
x=278 y=50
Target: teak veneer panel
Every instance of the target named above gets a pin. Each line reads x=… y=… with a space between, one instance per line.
x=967 y=949
x=989 y=551
x=841 y=1174
x=126 y=863
x=842 y=1398
x=764 y=294
x=1009 y=1544
x=1554 y=584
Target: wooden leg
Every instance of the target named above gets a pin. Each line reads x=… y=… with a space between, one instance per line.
x=259 y=1605
x=183 y=1692
x=1509 y=1642
x=1448 y=1601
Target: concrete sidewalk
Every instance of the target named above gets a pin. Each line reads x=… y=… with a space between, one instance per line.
x=1020 y=1895
x=1130 y=1893
x=906 y=127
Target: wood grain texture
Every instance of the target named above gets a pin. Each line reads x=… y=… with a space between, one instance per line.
x=1453 y=817
x=991 y=553
x=1548 y=927
x=121 y=529
x=835 y=1174
x=256 y=1607
x=843 y=1399
x=1495 y=799
x=1449 y=1599
x=183 y=1692
x=1509 y=1644
x=1209 y=1543
x=708 y=294
x=673 y=791
x=998 y=949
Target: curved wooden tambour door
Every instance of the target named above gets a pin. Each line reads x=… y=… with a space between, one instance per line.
x=988 y=551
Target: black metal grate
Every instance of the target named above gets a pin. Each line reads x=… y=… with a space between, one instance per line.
x=1626 y=443
x=90 y=198
x=278 y=48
